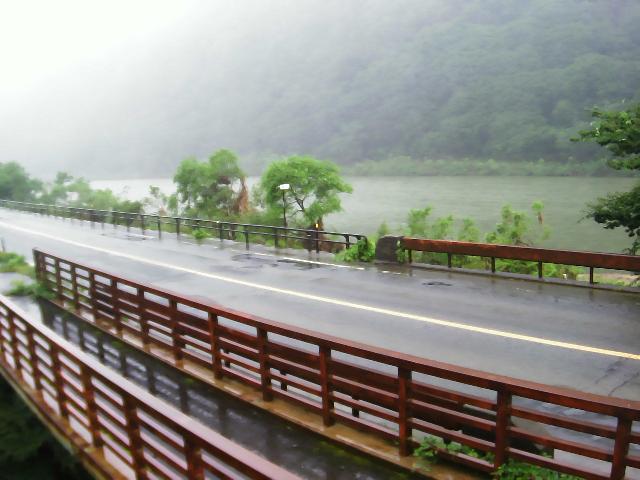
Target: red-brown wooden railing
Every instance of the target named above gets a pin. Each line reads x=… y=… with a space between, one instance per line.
x=612 y=261
x=125 y=428
x=388 y=393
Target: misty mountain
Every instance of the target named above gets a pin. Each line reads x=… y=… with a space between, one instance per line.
x=343 y=80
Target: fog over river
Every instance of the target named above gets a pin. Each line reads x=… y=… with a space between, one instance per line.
x=375 y=199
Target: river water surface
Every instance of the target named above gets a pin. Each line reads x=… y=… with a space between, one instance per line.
x=375 y=199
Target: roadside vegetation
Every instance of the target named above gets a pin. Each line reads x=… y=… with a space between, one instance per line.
x=511 y=470
x=299 y=191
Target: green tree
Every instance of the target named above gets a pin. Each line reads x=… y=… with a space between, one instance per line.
x=619 y=133
x=314 y=190
x=213 y=187
x=16 y=184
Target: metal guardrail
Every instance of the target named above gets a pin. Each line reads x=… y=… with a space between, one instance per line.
x=312 y=239
x=108 y=413
x=387 y=393
x=592 y=260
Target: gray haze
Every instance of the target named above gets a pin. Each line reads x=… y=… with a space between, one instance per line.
x=129 y=89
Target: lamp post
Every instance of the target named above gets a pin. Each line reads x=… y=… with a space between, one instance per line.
x=283 y=188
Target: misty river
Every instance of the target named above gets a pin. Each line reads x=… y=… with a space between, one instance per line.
x=375 y=199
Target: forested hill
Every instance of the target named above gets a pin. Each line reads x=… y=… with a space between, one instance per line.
x=355 y=80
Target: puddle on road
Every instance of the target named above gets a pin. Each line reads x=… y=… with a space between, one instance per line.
x=437 y=284
x=285 y=444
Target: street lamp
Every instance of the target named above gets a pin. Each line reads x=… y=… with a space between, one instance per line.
x=283 y=188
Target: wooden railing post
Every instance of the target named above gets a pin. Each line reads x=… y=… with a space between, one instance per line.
x=621 y=448
x=59 y=281
x=92 y=294
x=135 y=439
x=404 y=431
x=215 y=346
x=14 y=343
x=92 y=409
x=503 y=417
x=33 y=357
x=175 y=332
x=58 y=380
x=116 y=308
x=263 y=356
x=193 y=456
x=325 y=386
x=144 y=326
x=74 y=287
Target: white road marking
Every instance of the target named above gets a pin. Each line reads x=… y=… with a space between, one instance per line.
x=342 y=303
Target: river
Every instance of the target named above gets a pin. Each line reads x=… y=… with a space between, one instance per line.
x=375 y=199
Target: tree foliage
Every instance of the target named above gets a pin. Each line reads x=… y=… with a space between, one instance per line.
x=16 y=184
x=314 y=190
x=213 y=187
x=77 y=192
x=619 y=133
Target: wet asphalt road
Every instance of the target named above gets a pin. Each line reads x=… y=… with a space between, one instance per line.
x=339 y=301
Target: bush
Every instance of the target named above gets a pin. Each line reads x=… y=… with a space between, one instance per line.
x=363 y=251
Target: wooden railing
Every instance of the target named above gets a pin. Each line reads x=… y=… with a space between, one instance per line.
x=119 y=425
x=311 y=239
x=400 y=397
x=592 y=260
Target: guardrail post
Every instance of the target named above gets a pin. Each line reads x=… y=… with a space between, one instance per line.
x=177 y=226
x=317 y=235
x=621 y=448
x=246 y=237
x=275 y=237
x=591 y=275
x=404 y=431
x=539 y=269
x=263 y=356
x=493 y=264
x=503 y=417
x=159 y=226
x=220 y=230
x=325 y=386
x=449 y=258
x=142 y=223
x=215 y=347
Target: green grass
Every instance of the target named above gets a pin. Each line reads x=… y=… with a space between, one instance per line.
x=20 y=288
x=12 y=262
